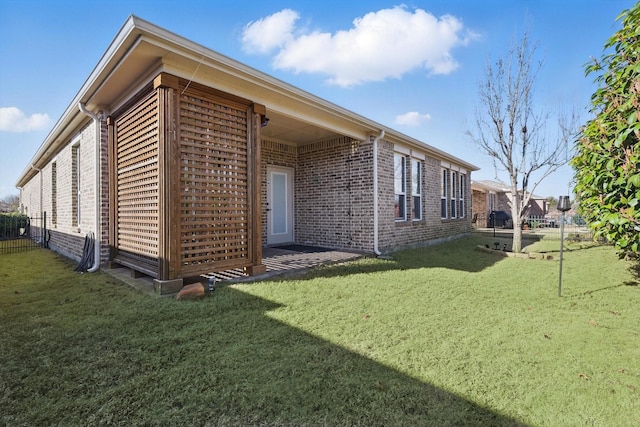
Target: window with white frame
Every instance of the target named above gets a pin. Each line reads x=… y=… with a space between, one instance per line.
x=400 y=187
x=444 y=193
x=416 y=189
x=54 y=193
x=463 y=190
x=454 y=194
x=75 y=185
x=453 y=190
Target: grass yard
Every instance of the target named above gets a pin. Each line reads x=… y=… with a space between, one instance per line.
x=445 y=335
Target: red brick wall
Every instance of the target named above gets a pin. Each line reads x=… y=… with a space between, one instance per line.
x=431 y=228
x=333 y=191
x=334 y=194
x=333 y=183
x=67 y=236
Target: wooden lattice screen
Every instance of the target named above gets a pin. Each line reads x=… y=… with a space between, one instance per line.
x=214 y=188
x=136 y=135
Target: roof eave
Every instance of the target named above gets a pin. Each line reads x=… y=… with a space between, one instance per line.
x=135 y=28
x=71 y=115
x=274 y=84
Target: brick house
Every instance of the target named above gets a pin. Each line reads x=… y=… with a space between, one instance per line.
x=182 y=161
x=488 y=196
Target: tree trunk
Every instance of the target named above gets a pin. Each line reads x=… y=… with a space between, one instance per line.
x=516 y=219
x=516 y=246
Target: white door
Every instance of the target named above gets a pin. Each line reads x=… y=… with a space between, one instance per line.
x=279 y=205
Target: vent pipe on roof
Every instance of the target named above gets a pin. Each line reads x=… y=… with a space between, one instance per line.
x=375 y=193
x=97 y=193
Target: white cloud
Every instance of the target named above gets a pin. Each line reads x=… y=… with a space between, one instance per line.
x=267 y=34
x=412 y=118
x=380 y=45
x=13 y=119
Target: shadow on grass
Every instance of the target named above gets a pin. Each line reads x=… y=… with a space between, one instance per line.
x=280 y=374
x=103 y=357
x=635 y=272
x=460 y=254
x=606 y=288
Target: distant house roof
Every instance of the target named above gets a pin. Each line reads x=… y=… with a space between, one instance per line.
x=488 y=185
x=497 y=187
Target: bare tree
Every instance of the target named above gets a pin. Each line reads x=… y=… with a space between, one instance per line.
x=512 y=132
x=10 y=203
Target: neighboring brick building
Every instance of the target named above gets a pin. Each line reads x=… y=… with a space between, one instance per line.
x=488 y=196
x=182 y=162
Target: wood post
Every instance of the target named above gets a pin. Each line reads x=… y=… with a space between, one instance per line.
x=168 y=202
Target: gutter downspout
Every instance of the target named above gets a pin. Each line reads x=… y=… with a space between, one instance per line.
x=40 y=174
x=97 y=192
x=375 y=193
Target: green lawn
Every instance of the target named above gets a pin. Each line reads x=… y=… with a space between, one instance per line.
x=445 y=335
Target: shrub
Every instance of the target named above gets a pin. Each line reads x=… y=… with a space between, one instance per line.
x=13 y=225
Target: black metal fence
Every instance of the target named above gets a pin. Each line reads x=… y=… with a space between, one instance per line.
x=548 y=225
x=20 y=233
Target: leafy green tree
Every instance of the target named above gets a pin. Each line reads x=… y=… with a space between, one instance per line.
x=607 y=162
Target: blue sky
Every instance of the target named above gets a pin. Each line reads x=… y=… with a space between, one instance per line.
x=417 y=71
